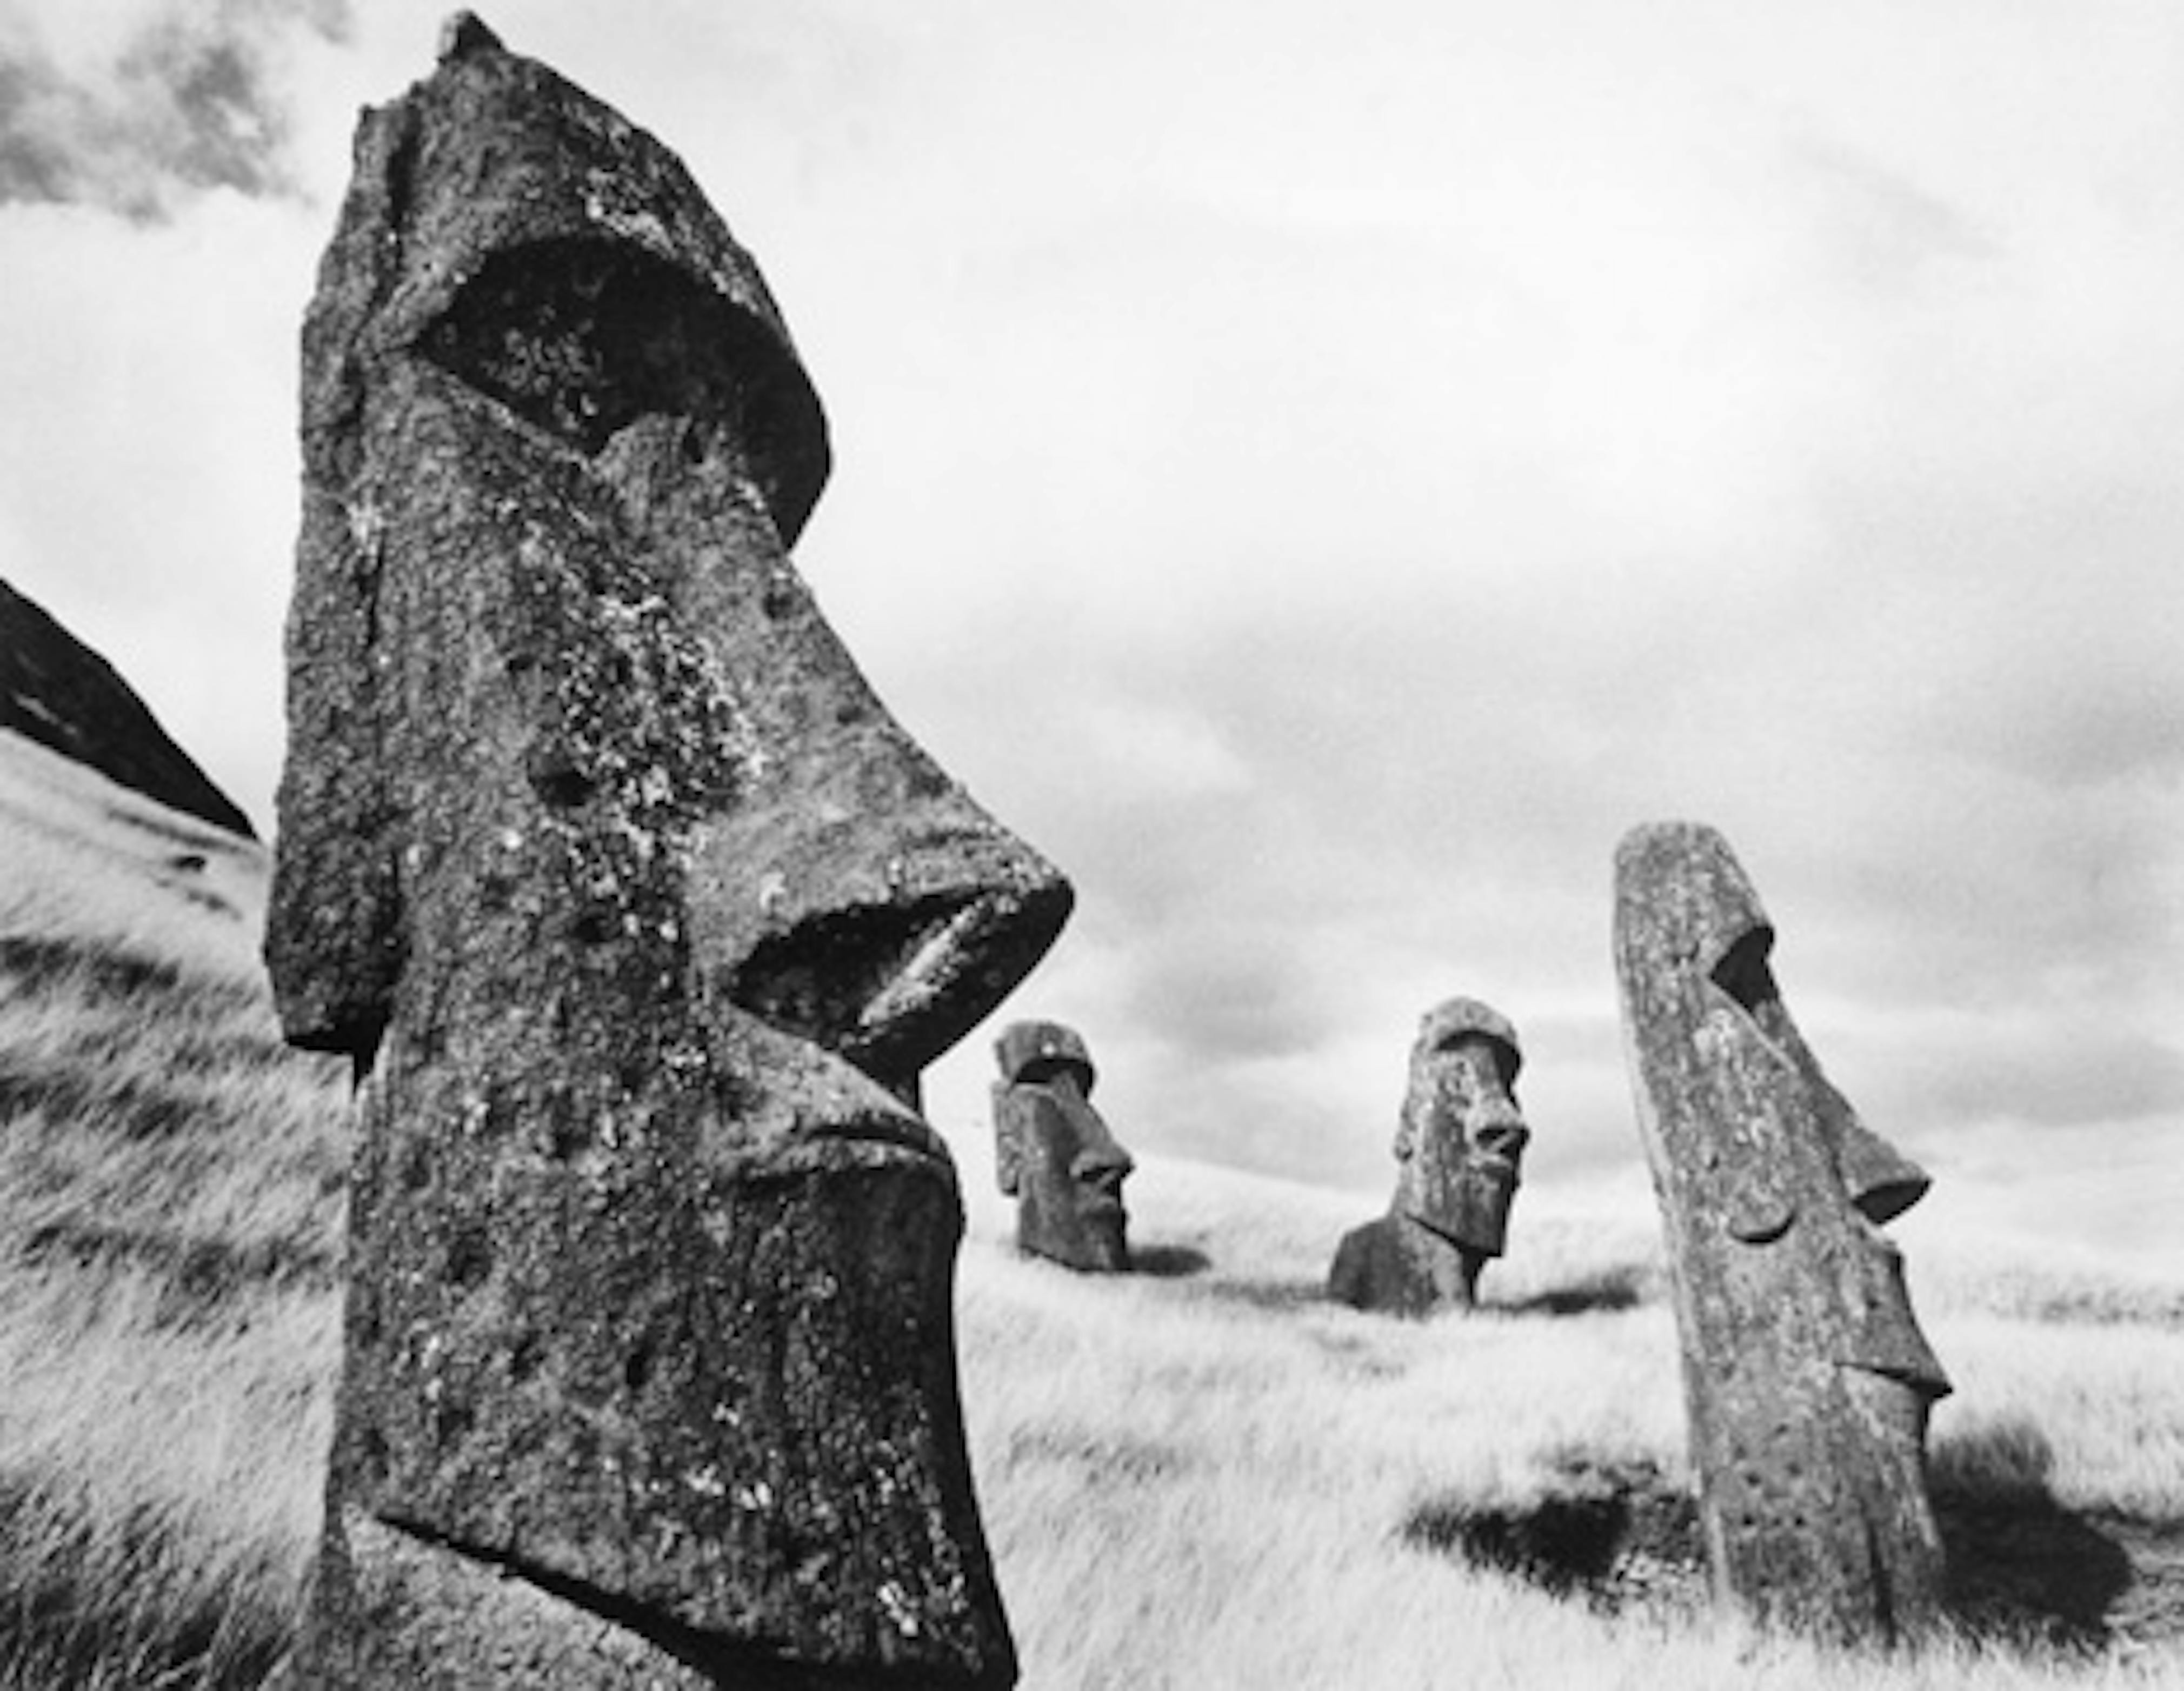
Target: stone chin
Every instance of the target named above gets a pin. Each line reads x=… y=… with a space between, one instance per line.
x=599 y=1405
x=1471 y=1210
x=1465 y=1198
x=1105 y=1243
x=1089 y=1232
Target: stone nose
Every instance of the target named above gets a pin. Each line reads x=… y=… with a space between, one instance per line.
x=1105 y=1178
x=1502 y=1135
x=882 y=914
x=1492 y=1122
x=1100 y=1163
x=848 y=892
x=1881 y=1181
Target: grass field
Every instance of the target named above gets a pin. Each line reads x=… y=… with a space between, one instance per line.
x=1197 y=1476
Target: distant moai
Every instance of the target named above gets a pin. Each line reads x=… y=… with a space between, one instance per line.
x=1459 y=1146
x=638 y=917
x=1054 y=1154
x=1805 y=1378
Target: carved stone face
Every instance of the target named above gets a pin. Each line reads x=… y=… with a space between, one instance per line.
x=1461 y=1142
x=1054 y=1153
x=1760 y=1140
x=1806 y=1375
x=601 y=858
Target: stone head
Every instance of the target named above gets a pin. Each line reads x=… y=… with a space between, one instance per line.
x=1460 y=1143
x=549 y=646
x=1054 y=1153
x=637 y=912
x=1743 y=1104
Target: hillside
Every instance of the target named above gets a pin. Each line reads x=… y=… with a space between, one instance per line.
x=56 y=690
x=1198 y=1476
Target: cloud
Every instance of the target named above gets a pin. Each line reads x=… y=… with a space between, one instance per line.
x=134 y=108
x=1884 y=232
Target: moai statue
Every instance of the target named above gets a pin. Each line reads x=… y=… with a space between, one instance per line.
x=1054 y=1154
x=1458 y=1148
x=1807 y=1380
x=638 y=917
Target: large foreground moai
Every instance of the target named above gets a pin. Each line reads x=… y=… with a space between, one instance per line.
x=639 y=917
x=1806 y=1377
x=1458 y=1147
x=1054 y=1154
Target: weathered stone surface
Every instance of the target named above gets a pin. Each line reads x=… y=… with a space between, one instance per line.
x=1807 y=1379
x=1458 y=1147
x=1053 y=1152
x=58 y=691
x=639 y=917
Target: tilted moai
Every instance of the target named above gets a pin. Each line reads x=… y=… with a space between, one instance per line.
x=1459 y=1147
x=1054 y=1154
x=1805 y=1378
x=638 y=917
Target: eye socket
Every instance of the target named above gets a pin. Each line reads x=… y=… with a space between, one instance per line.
x=580 y=338
x=1045 y=1071
x=1743 y=973
x=1469 y=1042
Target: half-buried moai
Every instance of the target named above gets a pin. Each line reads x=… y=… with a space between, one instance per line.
x=1054 y=1154
x=1805 y=1378
x=638 y=917
x=1458 y=1147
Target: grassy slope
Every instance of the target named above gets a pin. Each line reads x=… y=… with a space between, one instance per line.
x=170 y=1205
x=1199 y=1476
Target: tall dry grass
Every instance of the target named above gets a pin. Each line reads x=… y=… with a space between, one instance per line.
x=169 y=1211
x=1201 y=1475
x=1215 y=1479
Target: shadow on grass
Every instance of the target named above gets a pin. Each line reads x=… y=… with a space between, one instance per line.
x=1168 y=1262
x=2023 y=1571
x=2022 y=1567
x=1611 y=1533
x=1278 y=1295
x=1610 y=1289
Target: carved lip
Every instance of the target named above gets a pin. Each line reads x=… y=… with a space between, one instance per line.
x=1484 y=1171
x=1923 y=1377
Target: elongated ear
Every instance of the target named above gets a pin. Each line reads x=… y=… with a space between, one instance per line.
x=1008 y=1138
x=1751 y=1173
x=333 y=926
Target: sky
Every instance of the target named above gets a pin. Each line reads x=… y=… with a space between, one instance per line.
x=1321 y=470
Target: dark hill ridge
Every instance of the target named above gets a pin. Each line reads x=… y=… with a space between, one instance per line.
x=56 y=690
